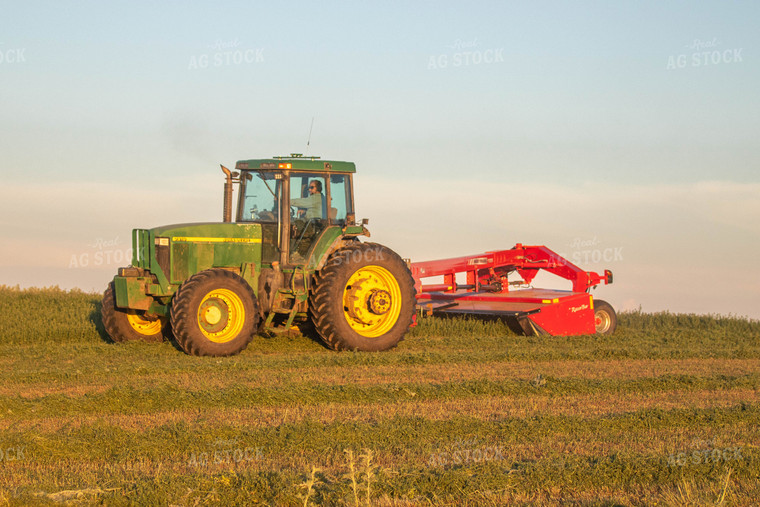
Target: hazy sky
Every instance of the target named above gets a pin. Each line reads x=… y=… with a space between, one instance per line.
x=622 y=134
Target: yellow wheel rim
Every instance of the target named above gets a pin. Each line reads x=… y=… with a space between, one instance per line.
x=372 y=301
x=144 y=326
x=221 y=315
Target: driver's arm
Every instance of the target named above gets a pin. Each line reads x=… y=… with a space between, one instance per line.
x=302 y=202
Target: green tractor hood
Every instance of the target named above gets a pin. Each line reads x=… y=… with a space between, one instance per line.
x=173 y=253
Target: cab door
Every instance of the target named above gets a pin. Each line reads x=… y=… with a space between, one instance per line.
x=308 y=213
x=259 y=202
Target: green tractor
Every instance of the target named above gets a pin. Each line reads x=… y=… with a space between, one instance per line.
x=291 y=256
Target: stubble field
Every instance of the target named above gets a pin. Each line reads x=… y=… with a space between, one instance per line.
x=463 y=412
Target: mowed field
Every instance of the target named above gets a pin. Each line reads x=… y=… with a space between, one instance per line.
x=463 y=412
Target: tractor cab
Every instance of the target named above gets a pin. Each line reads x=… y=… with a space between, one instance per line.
x=296 y=200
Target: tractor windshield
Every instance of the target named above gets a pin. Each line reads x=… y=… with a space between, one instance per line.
x=260 y=197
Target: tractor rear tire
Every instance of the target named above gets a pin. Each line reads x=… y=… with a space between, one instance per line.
x=605 y=318
x=363 y=299
x=125 y=325
x=214 y=313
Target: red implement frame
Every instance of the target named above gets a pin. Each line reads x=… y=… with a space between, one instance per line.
x=487 y=291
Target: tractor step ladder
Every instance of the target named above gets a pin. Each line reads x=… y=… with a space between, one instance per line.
x=286 y=302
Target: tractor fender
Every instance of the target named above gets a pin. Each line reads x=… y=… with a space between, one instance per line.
x=338 y=243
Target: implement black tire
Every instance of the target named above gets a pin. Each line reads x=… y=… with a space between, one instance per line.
x=214 y=313
x=605 y=318
x=363 y=298
x=124 y=325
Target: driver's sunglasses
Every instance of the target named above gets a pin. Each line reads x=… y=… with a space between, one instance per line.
x=313 y=186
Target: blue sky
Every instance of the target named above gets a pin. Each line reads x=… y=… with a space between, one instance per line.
x=606 y=124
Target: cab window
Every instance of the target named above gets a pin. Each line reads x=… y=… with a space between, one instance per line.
x=340 y=203
x=260 y=201
x=307 y=196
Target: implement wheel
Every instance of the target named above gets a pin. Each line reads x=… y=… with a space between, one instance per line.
x=605 y=318
x=363 y=299
x=126 y=325
x=214 y=313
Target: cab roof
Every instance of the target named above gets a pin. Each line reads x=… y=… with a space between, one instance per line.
x=297 y=162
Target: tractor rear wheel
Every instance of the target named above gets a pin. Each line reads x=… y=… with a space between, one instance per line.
x=605 y=318
x=214 y=313
x=363 y=298
x=125 y=325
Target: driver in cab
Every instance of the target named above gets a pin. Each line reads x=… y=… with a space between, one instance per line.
x=312 y=205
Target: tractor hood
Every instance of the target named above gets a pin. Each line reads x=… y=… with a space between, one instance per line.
x=211 y=232
x=173 y=253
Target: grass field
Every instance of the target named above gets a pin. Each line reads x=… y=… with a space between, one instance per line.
x=463 y=412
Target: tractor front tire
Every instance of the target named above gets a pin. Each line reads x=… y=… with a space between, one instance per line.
x=363 y=299
x=125 y=325
x=605 y=318
x=214 y=313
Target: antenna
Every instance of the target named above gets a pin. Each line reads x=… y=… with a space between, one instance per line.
x=308 y=141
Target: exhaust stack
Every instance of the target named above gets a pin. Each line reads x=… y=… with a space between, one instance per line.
x=227 y=194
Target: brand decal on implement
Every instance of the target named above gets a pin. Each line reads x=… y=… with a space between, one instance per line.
x=578 y=308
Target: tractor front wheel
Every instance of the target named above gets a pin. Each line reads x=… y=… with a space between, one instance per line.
x=363 y=299
x=605 y=318
x=125 y=325
x=214 y=313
